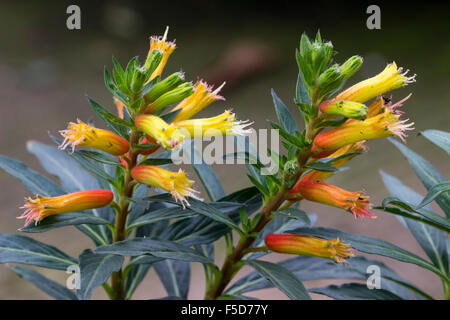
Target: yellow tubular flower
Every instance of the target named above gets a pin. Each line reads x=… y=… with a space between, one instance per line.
x=83 y=135
x=167 y=135
x=202 y=96
x=177 y=183
x=159 y=43
x=390 y=79
x=221 y=125
x=386 y=124
x=303 y=245
x=41 y=207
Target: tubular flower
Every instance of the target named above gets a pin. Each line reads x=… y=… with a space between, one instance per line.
x=81 y=134
x=159 y=43
x=41 y=207
x=354 y=202
x=385 y=124
x=303 y=245
x=344 y=108
x=221 y=125
x=202 y=96
x=176 y=183
x=389 y=79
x=351 y=148
x=167 y=135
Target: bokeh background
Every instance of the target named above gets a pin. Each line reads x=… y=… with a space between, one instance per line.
x=46 y=70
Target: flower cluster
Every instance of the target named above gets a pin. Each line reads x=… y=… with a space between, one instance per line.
x=142 y=101
x=351 y=123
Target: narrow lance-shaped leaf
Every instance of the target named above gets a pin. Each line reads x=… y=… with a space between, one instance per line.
x=439 y=138
x=20 y=249
x=282 y=278
x=95 y=269
x=50 y=287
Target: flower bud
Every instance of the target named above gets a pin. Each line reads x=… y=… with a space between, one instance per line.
x=81 y=134
x=139 y=78
x=351 y=66
x=330 y=75
x=176 y=183
x=154 y=58
x=202 y=97
x=221 y=125
x=344 y=108
x=291 y=167
x=391 y=78
x=303 y=245
x=167 y=135
x=168 y=84
x=354 y=202
x=179 y=93
x=41 y=207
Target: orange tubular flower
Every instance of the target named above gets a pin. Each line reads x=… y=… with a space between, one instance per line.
x=354 y=202
x=390 y=79
x=159 y=43
x=177 y=183
x=385 y=124
x=202 y=96
x=167 y=135
x=81 y=134
x=41 y=207
x=334 y=250
x=221 y=125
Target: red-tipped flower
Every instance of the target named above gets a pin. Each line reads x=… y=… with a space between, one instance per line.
x=334 y=250
x=41 y=207
x=355 y=202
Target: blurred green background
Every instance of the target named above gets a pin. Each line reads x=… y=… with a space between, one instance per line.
x=46 y=70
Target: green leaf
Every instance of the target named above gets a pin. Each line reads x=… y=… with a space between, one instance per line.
x=282 y=278
x=355 y=291
x=312 y=268
x=432 y=241
x=200 y=207
x=156 y=161
x=33 y=181
x=371 y=245
x=206 y=174
x=302 y=91
x=203 y=230
x=95 y=269
x=175 y=276
x=423 y=216
x=50 y=287
x=158 y=215
x=439 y=138
x=100 y=157
x=62 y=220
x=294 y=213
x=434 y=192
x=106 y=116
x=287 y=121
x=135 y=276
x=426 y=173
x=161 y=249
x=20 y=249
x=322 y=166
